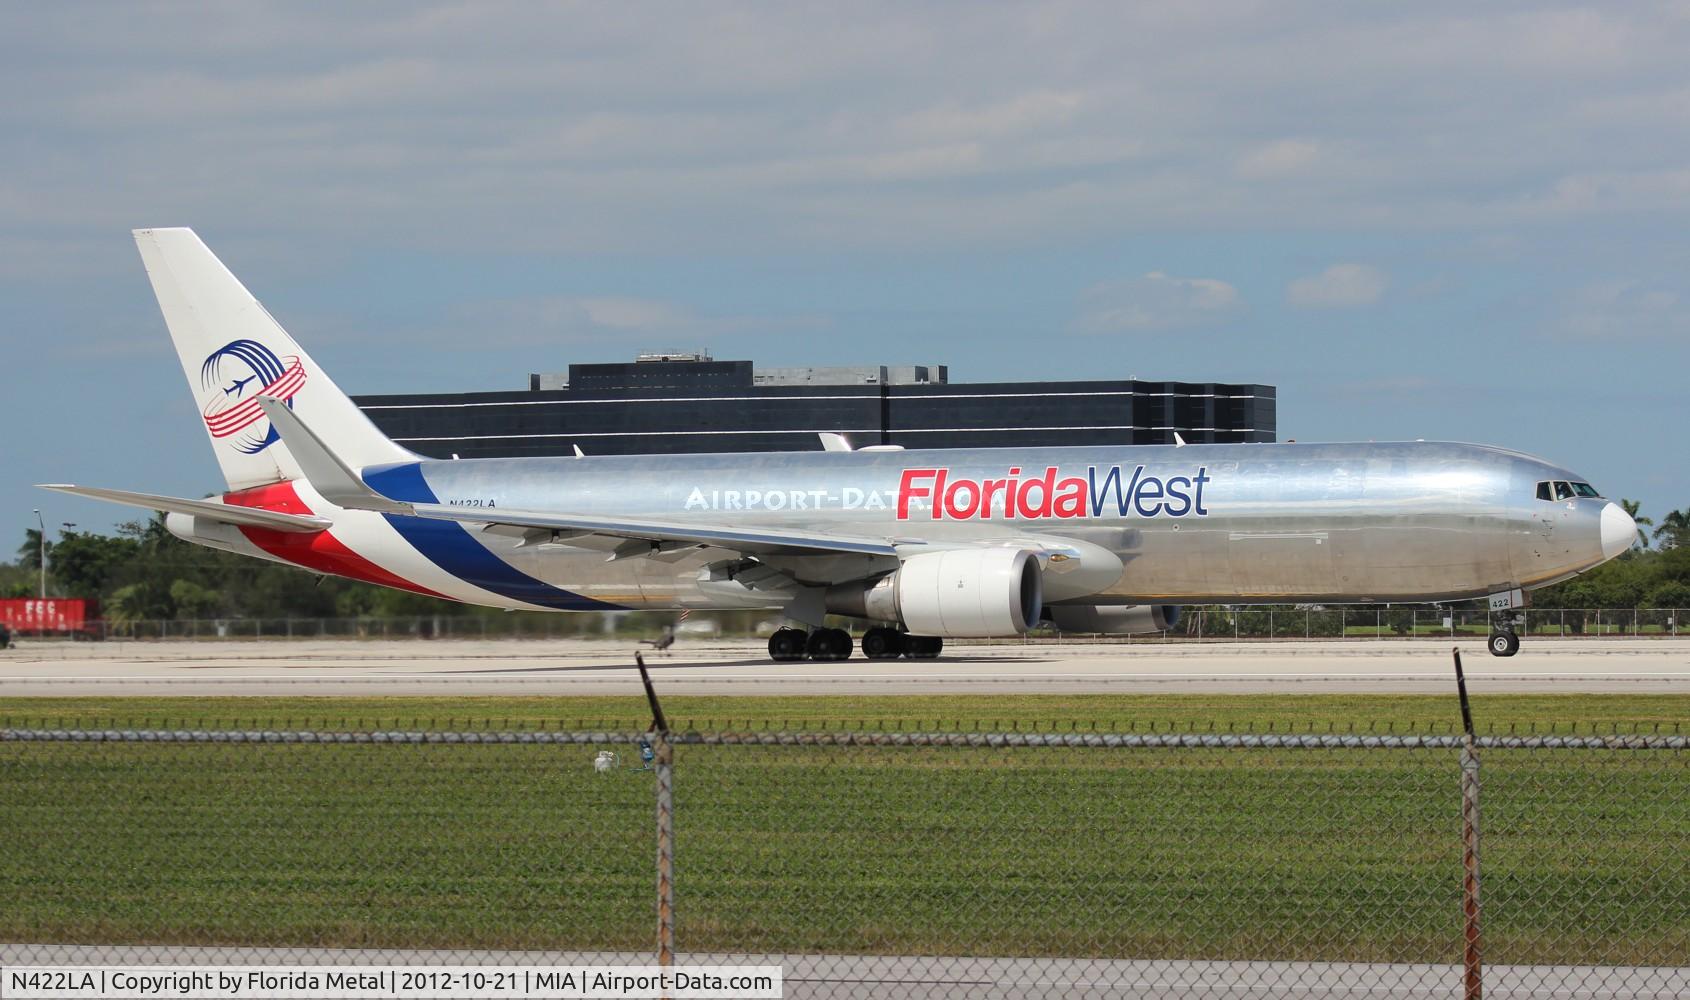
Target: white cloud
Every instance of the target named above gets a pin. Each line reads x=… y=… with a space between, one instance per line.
x=561 y=129
x=1156 y=301
x=1275 y=159
x=633 y=314
x=1399 y=386
x=634 y=322
x=1623 y=309
x=1042 y=109
x=1338 y=287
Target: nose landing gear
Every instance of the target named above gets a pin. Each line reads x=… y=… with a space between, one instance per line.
x=1503 y=642
x=1504 y=639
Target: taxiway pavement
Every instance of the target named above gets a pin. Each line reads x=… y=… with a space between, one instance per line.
x=724 y=667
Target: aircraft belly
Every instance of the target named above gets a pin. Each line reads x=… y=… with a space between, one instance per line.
x=584 y=572
x=663 y=583
x=1327 y=559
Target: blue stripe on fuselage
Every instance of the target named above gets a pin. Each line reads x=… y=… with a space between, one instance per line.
x=450 y=546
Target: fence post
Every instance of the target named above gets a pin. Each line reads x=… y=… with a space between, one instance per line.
x=1473 y=976
x=1473 y=971
x=664 y=763
x=663 y=754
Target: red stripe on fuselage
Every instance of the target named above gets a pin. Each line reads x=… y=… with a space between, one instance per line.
x=316 y=550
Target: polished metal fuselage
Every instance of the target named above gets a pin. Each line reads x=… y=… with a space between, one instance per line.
x=1333 y=523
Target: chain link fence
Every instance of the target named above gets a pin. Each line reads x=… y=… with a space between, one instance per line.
x=1410 y=623
x=866 y=863
x=1195 y=623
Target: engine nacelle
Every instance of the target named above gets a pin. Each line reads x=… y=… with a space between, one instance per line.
x=952 y=593
x=1129 y=619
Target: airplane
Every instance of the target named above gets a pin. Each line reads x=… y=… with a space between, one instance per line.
x=918 y=545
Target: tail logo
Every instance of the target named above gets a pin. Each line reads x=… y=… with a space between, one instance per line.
x=231 y=408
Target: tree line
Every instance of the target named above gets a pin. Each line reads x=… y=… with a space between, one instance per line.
x=142 y=572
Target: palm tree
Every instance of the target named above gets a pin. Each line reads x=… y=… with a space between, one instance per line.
x=1674 y=529
x=29 y=553
x=1631 y=507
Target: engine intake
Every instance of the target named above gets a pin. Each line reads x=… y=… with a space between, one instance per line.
x=1129 y=619
x=952 y=593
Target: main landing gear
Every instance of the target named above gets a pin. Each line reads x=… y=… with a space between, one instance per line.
x=789 y=644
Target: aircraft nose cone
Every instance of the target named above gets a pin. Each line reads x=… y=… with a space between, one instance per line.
x=1619 y=531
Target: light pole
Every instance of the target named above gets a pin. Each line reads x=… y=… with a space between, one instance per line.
x=43 y=540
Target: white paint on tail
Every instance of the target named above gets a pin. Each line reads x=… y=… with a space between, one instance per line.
x=233 y=351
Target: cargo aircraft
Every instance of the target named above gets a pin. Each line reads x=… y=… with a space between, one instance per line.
x=919 y=546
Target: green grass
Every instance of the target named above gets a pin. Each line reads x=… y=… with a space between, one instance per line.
x=1217 y=854
x=1205 y=854
x=1301 y=713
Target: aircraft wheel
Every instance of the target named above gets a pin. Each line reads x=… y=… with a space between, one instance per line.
x=923 y=647
x=1504 y=644
x=787 y=644
x=883 y=644
x=829 y=644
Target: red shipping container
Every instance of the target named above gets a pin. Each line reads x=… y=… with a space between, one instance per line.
x=45 y=615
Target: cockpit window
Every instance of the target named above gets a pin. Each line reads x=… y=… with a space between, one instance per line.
x=1558 y=489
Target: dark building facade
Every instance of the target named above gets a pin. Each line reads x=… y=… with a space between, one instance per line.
x=688 y=404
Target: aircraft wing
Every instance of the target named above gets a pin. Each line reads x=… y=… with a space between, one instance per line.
x=330 y=476
x=210 y=509
x=548 y=526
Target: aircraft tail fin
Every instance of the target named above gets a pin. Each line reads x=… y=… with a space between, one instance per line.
x=233 y=352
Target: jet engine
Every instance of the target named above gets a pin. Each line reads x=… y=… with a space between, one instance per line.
x=951 y=593
x=1129 y=619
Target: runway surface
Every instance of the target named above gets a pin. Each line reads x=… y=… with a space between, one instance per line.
x=724 y=667
x=974 y=977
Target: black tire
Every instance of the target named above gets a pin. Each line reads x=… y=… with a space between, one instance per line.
x=828 y=644
x=923 y=647
x=883 y=644
x=787 y=644
x=1504 y=644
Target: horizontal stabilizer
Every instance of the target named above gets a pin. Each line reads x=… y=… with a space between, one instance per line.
x=250 y=517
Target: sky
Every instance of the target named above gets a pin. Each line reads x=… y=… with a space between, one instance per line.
x=1434 y=220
